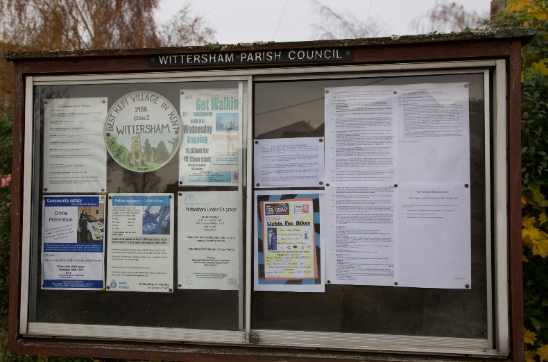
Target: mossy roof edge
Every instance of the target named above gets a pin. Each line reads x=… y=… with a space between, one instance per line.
x=523 y=33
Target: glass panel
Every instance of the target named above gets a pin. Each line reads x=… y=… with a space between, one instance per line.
x=286 y=109
x=181 y=308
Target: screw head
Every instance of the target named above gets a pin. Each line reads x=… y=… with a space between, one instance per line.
x=152 y=60
x=326 y=91
x=327 y=185
x=176 y=131
x=467 y=286
x=395 y=283
x=256 y=142
x=170 y=290
x=258 y=185
x=395 y=185
x=180 y=194
x=395 y=92
x=466 y=185
x=180 y=285
x=108 y=134
x=108 y=287
x=321 y=183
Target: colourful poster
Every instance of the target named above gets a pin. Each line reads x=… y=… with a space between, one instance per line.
x=288 y=252
x=212 y=131
x=73 y=242
x=142 y=131
x=140 y=243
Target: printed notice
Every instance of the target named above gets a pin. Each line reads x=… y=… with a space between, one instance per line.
x=73 y=242
x=140 y=243
x=288 y=253
x=434 y=141
x=208 y=244
x=434 y=248
x=212 y=132
x=361 y=224
x=289 y=162
x=75 y=156
x=361 y=133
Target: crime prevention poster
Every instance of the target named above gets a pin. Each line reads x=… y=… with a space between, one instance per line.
x=73 y=242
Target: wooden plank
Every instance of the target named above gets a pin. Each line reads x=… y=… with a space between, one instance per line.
x=16 y=208
x=514 y=208
x=194 y=353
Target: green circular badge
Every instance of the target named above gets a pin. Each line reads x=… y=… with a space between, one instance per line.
x=142 y=131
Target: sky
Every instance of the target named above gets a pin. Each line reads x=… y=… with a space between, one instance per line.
x=242 y=21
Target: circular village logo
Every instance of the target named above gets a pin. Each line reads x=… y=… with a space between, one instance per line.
x=142 y=131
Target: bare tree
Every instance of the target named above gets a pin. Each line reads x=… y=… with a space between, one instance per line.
x=445 y=17
x=96 y=24
x=196 y=31
x=335 y=25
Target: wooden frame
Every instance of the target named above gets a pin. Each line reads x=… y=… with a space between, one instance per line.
x=503 y=44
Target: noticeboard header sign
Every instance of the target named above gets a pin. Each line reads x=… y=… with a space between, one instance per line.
x=252 y=57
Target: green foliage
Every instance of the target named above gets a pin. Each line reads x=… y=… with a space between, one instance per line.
x=535 y=276
x=163 y=154
x=174 y=144
x=119 y=152
x=534 y=132
x=534 y=171
x=148 y=151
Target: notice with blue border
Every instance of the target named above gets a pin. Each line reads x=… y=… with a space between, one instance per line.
x=73 y=242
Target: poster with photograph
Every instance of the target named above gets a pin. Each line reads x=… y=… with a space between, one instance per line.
x=140 y=243
x=75 y=157
x=73 y=242
x=209 y=243
x=288 y=249
x=210 y=149
x=142 y=131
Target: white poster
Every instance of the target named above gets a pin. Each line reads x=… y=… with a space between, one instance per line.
x=75 y=156
x=362 y=226
x=416 y=138
x=361 y=133
x=73 y=242
x=434 y=238
x=209 y=240
x=289 y=162
x=288 y=252
x=212 y=132
x=434 y=133
x=140 y=243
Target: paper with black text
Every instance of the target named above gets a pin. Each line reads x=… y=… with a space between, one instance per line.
x=434 y=133
x=434 y=248
x=362 y=233
x=289 y=162
x=361 y=133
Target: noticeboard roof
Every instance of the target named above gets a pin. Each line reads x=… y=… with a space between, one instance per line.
x=522 y=33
